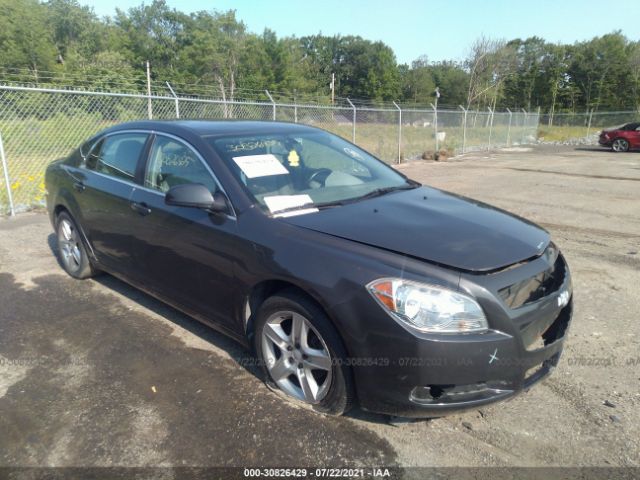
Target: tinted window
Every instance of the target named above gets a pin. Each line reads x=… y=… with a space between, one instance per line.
x=172 y=163
x=117 y=155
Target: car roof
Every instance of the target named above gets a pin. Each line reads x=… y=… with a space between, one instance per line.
x=215 y=128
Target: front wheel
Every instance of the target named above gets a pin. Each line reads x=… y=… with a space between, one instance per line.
x=620 y=145
x=302 y=354
x=71 y=249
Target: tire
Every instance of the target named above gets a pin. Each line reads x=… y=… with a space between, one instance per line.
x=71 y=248
x=620 y=145
x=307 y=365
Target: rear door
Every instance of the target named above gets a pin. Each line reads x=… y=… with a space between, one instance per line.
x=186 y=255
x=104 y=184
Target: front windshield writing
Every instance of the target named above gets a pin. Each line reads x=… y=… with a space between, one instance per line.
x=285 y=171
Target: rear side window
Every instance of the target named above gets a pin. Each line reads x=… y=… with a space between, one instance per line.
x=117 y=155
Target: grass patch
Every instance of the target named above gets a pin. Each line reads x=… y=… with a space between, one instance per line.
x=562 y=133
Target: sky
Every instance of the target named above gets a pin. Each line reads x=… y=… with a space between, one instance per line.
x=441 y=30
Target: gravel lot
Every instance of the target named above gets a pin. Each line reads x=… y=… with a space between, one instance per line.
x=97 y=373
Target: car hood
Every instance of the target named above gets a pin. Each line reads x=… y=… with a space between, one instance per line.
x=435 y=226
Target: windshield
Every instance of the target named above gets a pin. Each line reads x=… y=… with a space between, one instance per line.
x=289 y=172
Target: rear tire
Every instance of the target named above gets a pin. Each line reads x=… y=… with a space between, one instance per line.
x=71 y=249
x=620 y=145
x=302 y=354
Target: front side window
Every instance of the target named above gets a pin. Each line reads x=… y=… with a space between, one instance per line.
x=298 y=170
x=117 y=155
x=172 y=163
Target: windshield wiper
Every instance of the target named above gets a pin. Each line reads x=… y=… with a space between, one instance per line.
x=378 y=192
x=309 y=206
x=410 y=185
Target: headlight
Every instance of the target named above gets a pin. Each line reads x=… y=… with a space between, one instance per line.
x=428 y=308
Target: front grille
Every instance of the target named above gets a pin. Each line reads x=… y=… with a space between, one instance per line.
x=538 y=286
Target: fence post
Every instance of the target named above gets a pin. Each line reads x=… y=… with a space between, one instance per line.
x=176 y=99
x=490 y=127
x=272 y=103
x=435 y=125
x=509 y=128
x=399 y=132
x=353 y=133
x=589 y=124
x=149 y=108
x=464 y=128
x=5 y=169
x=524 y=121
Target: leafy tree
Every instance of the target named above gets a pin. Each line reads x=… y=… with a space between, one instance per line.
x=217 y=42
x=61 y=42
x=154 y=33
x=363 y=69
x=25 y=39
x=75 y=29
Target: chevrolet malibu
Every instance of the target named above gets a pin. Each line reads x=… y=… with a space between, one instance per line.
x=349 y=281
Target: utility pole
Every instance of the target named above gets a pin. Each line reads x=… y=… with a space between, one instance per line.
x=333 y=87
x=149 y=109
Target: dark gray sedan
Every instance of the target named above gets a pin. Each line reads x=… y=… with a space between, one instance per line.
x=350 y=281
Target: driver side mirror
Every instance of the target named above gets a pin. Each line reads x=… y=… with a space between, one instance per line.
x=196 y=195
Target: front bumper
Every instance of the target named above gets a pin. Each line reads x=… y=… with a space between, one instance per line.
x=403 y=373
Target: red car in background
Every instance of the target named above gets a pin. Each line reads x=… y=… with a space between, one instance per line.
x=622 y=138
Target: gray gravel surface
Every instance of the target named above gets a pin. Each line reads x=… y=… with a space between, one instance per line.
x=97 y=373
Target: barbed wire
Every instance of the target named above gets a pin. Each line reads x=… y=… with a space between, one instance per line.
x=79 y=81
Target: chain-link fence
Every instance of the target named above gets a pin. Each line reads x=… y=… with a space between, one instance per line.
x=38 y=125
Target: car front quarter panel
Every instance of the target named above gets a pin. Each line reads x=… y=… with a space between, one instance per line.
x=332 y=270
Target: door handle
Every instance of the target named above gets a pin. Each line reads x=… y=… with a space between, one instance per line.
x=79 y=186
x=140 y=208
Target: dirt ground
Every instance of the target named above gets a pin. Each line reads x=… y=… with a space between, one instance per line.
x=97 y=373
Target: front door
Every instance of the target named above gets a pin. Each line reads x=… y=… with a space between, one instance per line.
x=186 y=255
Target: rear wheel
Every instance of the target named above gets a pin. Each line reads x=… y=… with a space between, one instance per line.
x=71 y=249
x=620 y=145
x=302 y=354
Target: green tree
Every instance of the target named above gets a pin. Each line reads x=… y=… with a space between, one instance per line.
x=25 y=37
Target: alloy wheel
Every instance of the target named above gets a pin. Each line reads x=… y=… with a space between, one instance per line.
x=296 y=356
x=619 y=145
x=69 y=245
